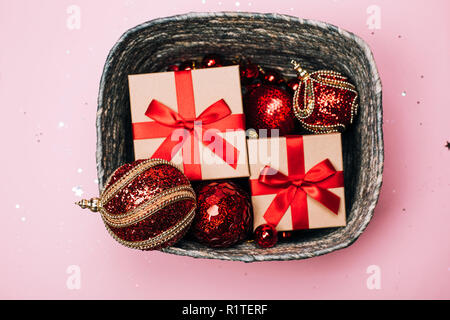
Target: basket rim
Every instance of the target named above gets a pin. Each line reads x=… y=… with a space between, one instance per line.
x=348 y=239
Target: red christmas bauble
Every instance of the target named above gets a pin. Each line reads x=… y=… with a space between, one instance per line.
x=187 y=65
x=173 y=67
x=249 y=72
x=147 y=204
x=265 y=236
x=325 y=101
x=269 y=107
x=223 y=215
x=272 y=77
x=211 y=60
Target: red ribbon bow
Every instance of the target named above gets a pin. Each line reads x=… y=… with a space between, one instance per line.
x=217 y=117
x=292 y=190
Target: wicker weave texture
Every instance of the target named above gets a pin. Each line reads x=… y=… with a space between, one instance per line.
x=271 y=40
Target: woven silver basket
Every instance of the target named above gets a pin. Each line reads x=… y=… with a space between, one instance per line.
x=270 y=40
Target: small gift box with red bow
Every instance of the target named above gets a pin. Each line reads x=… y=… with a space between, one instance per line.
x=193 y=118
x=297 y=182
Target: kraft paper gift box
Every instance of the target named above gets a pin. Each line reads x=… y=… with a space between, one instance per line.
x=193 y=118
x=297 y=181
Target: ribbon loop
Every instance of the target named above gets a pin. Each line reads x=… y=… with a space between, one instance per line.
x=165 y=116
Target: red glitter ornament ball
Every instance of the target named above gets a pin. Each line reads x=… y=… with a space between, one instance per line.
x=211 y=60
x=272 y=77
x=173 y=67
x=269 y=107
x=147 y=204
x=325 y=101
x=223 y=216
x=266 y=236
x=187 y=65
x=249 y=72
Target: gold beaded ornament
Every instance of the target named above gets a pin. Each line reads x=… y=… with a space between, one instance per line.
x=324 y=101
x=146 y=205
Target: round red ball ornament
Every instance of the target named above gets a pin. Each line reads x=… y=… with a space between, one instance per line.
x=211 y=60
x=146 y=205
x=269 y=107
x=173 y=67
x=266 y=236
x=187 y=65
x=325 y=101
x=249 y=72
x=223 y=215
x=272 y=77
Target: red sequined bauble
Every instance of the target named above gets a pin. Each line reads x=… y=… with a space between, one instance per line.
x=266 y=236
x=325 y=101
x=269 y=107
x=223 y=216
x=147 y=204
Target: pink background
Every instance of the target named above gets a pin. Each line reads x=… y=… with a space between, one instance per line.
x=49 y=78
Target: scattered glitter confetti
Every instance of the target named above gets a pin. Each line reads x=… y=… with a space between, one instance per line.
x=61 y=124
x=67 y=51
x=78 y=191
x=203 y=1
x=237 y=4
x=17 y=206
x=38 y=137
x=23 y=219
x=447 y=145
x=404 y=93
x=80 y=170
x=96 y=181
x=418 y=102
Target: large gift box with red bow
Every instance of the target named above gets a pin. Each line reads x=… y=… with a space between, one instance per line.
x=297 y=182
x=193 y=118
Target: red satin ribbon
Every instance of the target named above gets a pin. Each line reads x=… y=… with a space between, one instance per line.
x=190 y=129
x=292 y=190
